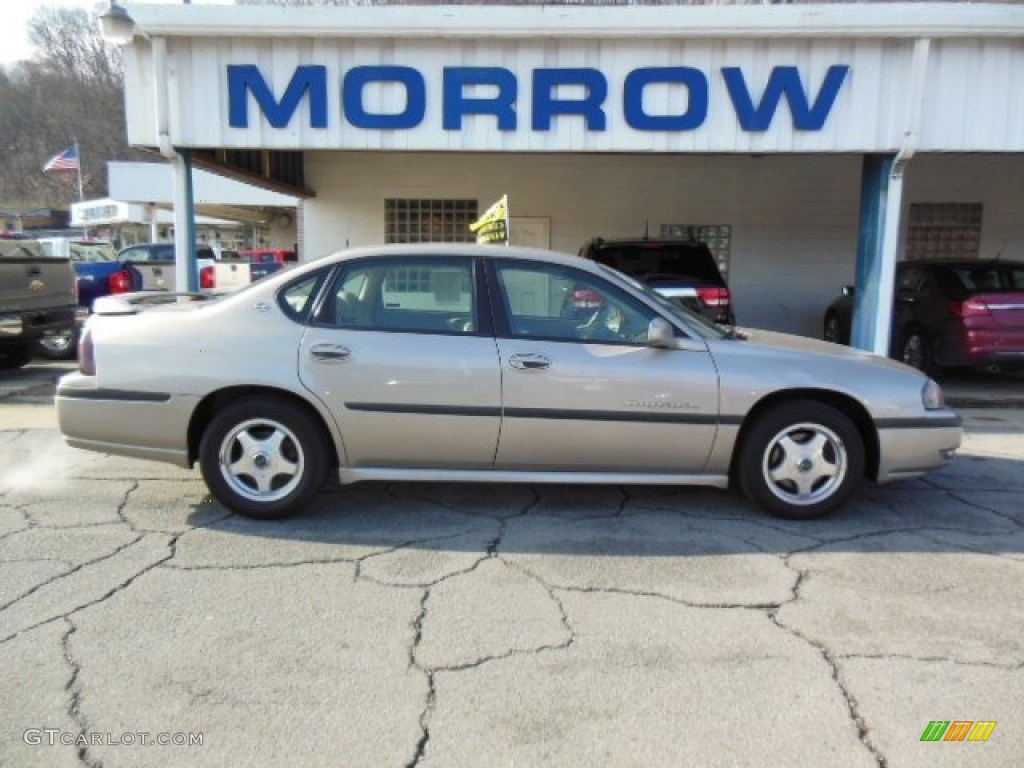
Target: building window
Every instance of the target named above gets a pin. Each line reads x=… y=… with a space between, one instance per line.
x=429 y=221
x=944 y=231
x=717 y=237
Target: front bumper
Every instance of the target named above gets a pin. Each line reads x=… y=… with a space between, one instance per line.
x=912 y=448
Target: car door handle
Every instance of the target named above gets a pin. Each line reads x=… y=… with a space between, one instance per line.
x=330 y=353
x=529 y=362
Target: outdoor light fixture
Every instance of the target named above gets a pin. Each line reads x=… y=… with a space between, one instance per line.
x=116 y=25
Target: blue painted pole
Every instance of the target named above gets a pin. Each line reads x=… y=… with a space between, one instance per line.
x=867 y=309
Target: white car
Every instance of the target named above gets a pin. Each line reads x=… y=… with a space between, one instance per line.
x=473 y=363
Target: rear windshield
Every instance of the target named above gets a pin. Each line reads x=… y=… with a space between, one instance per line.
x=990 y=277
x=654 y=261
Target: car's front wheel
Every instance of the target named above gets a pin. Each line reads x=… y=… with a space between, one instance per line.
x=801 y=460
x=264 y=457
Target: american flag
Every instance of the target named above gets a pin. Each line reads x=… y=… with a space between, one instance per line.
x=65 y=161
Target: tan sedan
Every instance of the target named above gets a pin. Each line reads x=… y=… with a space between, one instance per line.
x=480 y=363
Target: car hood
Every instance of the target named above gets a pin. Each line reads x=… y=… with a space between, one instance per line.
x=762 y=363
x=786 y=344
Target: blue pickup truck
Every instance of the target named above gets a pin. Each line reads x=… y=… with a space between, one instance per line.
x=98 y=272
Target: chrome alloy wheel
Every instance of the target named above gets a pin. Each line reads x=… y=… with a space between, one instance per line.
x=262 y=460
x=804 y=464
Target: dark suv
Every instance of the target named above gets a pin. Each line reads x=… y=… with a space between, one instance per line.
x=948 y=314
x=682 y=270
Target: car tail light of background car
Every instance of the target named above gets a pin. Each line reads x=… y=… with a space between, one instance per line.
x=207 y=278
x=121 y=281
x=714 y=296
x=972 y=307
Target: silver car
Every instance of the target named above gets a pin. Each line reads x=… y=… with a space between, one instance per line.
x=480 y=363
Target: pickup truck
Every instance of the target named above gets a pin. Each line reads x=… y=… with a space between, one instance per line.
x=38 y=299
x=152 y=265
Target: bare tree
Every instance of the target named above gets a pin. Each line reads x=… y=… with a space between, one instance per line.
x=71 y=90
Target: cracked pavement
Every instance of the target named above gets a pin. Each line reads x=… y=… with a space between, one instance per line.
x=458 y=625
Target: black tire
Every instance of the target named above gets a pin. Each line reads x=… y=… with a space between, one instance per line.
x=833 y=330
x=63 y=346
x=801 y=460
x=284 y=437
x=913 y=349
x=15 y=356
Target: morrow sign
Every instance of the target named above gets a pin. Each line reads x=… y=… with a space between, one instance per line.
x=575 y=92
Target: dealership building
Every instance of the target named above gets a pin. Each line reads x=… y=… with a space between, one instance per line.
x=811 y=146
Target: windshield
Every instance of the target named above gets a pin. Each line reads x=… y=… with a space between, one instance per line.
x=693 y=322
x=92 y=252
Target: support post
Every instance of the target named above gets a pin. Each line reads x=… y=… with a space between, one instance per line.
x=185 y=274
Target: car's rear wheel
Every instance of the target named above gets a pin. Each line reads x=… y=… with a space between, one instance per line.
x=912 y=349
x=264 y=457
x=801 y=460
x=63 y=346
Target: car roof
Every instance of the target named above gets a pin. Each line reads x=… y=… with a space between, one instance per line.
x=459 y=249
x=654 y=242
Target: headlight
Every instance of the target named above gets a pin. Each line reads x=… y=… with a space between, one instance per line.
x=932 y=397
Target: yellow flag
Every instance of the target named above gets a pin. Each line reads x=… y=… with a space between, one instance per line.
x=492 y=227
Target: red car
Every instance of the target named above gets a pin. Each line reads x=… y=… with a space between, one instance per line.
x=949 y=314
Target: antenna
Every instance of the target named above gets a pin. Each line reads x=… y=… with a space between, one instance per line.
x=647 y=225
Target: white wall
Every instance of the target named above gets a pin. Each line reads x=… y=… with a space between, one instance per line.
x=794 y=218
x=996 y=181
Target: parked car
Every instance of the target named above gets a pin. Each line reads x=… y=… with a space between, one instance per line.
x=98 y=273
x=271 y=255
x=454 y=362
x=683 y=270
x=948 y=314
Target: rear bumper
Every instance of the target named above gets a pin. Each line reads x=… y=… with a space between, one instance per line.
x=26 y=326
x=919 y=446
x=982 y=347
x=142 y=425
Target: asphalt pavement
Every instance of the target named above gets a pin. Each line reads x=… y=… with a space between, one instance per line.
x=462 y=625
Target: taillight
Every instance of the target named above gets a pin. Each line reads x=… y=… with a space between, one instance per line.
x=120 y=282
x=86 y=353
x=969 y=308
x=714 y=296
x=207 y=278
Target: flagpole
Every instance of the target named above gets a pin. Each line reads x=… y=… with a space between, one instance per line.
x=78 y=154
